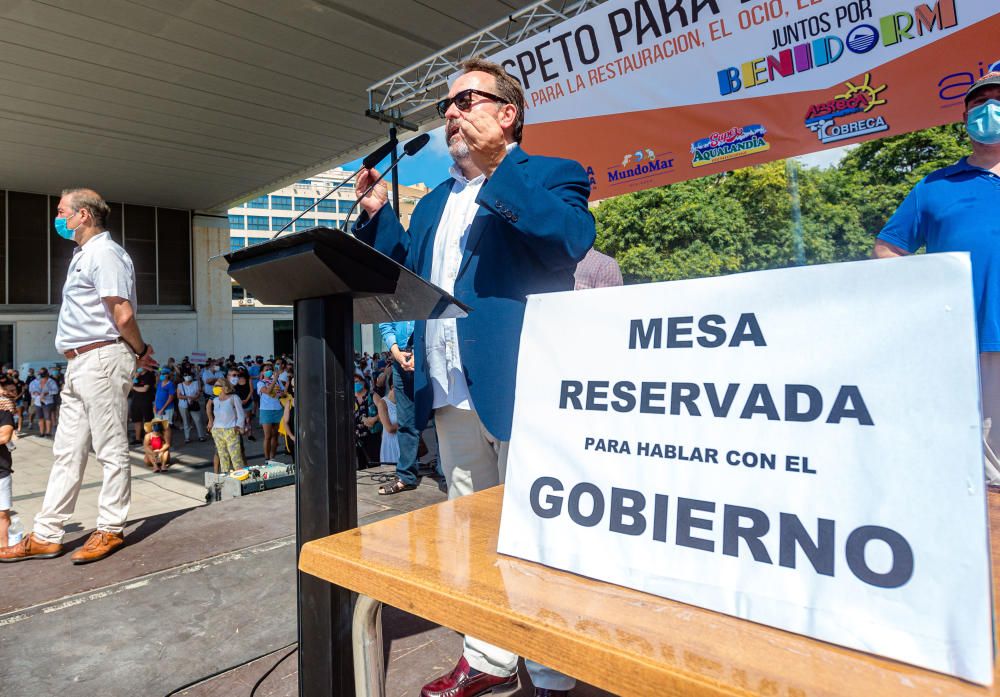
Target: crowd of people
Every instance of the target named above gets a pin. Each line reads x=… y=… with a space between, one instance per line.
x=224 y=398
x=36 y=399
x=376 y=421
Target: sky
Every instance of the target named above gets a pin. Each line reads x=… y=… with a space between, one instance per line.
x=429 y=166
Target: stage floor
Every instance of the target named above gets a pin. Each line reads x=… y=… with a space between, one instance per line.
x=195 y=591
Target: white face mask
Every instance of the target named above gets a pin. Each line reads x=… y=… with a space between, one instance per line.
x=187 y=378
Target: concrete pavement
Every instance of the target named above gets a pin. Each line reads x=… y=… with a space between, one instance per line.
x=181 y=487
x=198 y=589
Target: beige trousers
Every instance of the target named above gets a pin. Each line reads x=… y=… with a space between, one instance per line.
x=473 y=460
x=989 y=376
x=93 y=414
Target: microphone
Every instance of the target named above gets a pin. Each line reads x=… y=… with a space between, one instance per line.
x=414 y=146
x=370 y=161
x=410 y=149
x=378 y=155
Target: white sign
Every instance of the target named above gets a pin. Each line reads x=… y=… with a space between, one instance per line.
x=197 y=357
x=800 y=447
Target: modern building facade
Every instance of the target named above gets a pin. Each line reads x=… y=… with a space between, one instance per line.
x=264 y=329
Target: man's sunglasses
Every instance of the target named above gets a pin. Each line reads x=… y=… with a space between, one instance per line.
x=463 y=100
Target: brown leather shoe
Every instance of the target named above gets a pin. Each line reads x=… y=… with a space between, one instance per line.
x=30 y=547
x=100 y=544
x=458 y=683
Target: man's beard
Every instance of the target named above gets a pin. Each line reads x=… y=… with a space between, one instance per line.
x=458 y=149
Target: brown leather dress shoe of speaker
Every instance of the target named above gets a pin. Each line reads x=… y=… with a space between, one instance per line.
x=100 y=544
x=30 y=547
x=459 y=683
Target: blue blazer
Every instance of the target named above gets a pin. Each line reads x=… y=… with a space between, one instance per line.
x=531 y=230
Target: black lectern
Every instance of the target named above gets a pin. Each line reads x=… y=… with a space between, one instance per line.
x=333 y=280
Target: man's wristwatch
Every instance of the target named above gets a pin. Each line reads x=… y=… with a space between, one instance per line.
x=145 y=350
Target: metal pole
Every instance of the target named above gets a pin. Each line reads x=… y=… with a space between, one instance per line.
x=395 y=174
x=326 y=490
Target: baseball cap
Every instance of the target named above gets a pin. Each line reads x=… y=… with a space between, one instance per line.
x=991 y=78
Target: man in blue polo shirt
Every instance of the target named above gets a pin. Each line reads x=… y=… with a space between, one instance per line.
x=957 y=209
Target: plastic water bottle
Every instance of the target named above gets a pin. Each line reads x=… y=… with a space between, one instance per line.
x=16 y=530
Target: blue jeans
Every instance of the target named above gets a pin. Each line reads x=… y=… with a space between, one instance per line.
x=408 y=435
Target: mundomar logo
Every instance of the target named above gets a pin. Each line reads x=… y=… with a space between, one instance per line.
x=819 y=49
x=644 y=162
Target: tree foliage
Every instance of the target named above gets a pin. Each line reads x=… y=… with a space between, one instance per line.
x=744 y=220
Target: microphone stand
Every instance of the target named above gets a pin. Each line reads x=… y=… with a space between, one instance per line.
x=411 y=148
x=316 y=203
x=347 y=220
x=369 y=162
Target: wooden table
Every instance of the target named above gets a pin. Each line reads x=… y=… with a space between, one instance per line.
x=440 y=563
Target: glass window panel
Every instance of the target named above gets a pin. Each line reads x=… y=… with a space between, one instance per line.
x=327 y=206
x=302 y=204
x=278 y=223
x=256 y=240
x=115 y=222
x=259 y=202
x=27 y=239
x=237 y=222
x=257 y=222
x=237 y=243
x=304 y=223
x=140 y=243
x=174 y=256
x=281 y=203
x=344 y=205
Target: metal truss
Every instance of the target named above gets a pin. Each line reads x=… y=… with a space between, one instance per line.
x=409 y=95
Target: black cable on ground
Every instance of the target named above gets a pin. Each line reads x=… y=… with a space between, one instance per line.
x=270 y=670
x=238 y=665
x=367 y=478
x=372 y=478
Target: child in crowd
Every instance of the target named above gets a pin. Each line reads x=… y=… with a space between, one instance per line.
x=156 y=447
x=8 y=393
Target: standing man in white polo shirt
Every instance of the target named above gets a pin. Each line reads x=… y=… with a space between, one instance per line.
x=100 y=338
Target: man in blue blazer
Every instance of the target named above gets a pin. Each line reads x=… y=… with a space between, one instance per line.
x=505 y=225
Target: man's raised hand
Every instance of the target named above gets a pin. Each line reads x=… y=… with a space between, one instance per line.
x=483 y=135
x=378 y=196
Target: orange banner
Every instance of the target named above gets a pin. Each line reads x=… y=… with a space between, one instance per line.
x=634 y=150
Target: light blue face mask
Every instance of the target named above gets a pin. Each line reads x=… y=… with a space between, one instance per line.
x=983 y=123
x=63 y=230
